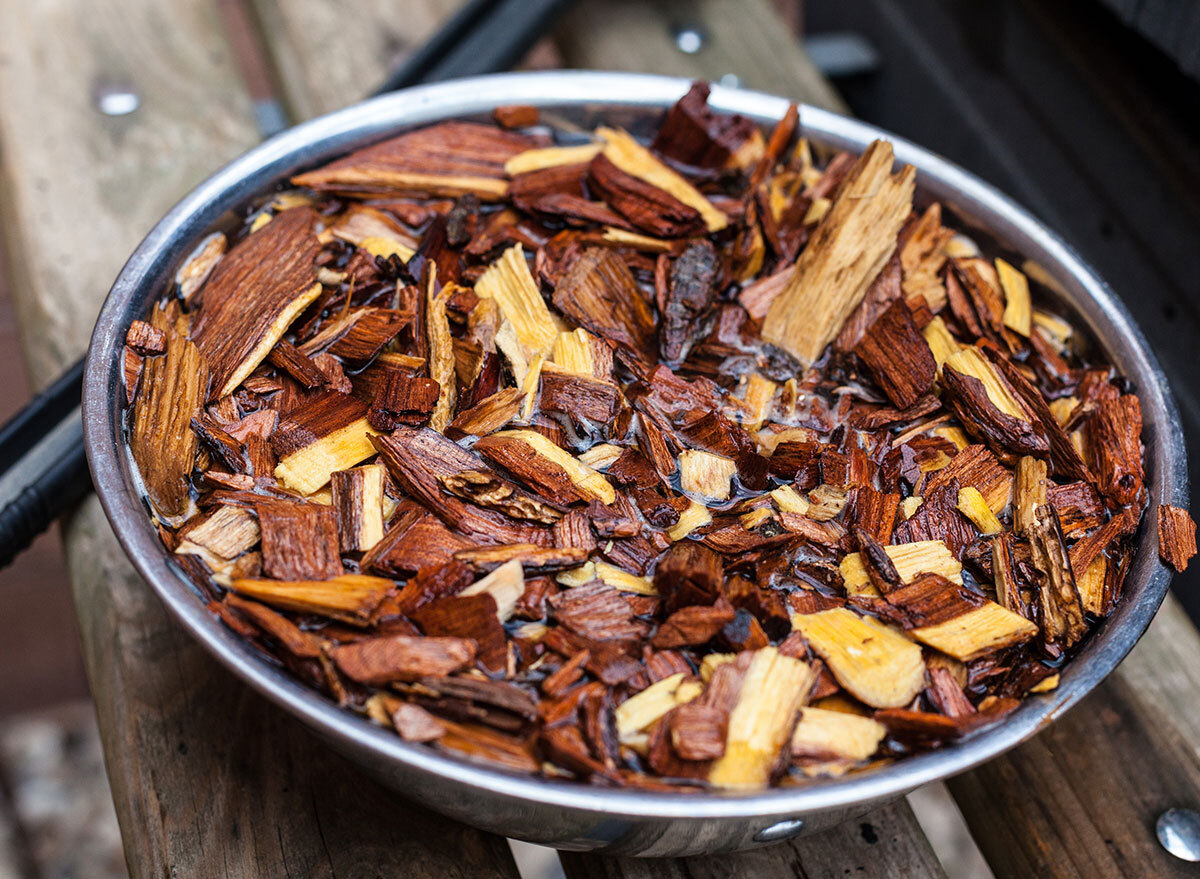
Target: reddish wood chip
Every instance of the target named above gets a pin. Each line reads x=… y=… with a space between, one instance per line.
x=1176 y=536
x=401 y=658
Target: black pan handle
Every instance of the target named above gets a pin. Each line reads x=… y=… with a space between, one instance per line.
x=50 y=479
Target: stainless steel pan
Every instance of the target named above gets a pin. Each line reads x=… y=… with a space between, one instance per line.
x=558 y=813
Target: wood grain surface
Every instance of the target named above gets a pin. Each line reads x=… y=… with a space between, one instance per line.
x=883 y=844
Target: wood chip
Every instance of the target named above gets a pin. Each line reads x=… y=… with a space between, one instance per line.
x=846 y=252
x=1176 y=536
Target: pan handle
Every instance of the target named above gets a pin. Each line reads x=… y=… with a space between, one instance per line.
x=43 y=470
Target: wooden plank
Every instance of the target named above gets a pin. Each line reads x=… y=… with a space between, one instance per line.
x=80 y=189
x=329 y=55
x=1081 y=799
x=747 y=39
x=884 y=844
x=208 y=779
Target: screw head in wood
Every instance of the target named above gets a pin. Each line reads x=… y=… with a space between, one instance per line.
x=1179 y=833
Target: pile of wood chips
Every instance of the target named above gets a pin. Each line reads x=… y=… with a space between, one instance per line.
x=698 y=465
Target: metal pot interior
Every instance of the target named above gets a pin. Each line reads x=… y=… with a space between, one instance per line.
x=565 y=814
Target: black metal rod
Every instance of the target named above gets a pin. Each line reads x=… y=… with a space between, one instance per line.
x=485 y=36
x=416 y=68
x=21 y=432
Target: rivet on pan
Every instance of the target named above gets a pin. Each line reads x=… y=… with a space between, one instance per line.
x=1179 y=832
x=780 y=830
x=114 y=100
x=690 y=39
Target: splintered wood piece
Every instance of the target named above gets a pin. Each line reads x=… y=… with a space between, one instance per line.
x=898 y=356
x=506 y=584
x=1062 y=612
x=474 y=618
x=145 y=339
x=417 y=457
x=597 y=612
x=532 y=558
x=637 y=161
x=689 y=297
x=951 y=618
x=689 y=574
x=1032 y=482
x=977 y=467
x=762 y=720
x=350 y=598
x=1018 y=310
x=1079 y=506
x=941 y=342
x=329 y=433
x=578 y=352
x=1114 y=439
x=274 y=268
x=415 y=540
x=488 y=415
x=403 y=399
x=578 y=396
x=848 y=249
x=694 y=516
x=299 y=366
x=358 y=504
x=378 y=661
x=1091 y=584
x=161 y=438
x=360 y=334
x=644 y=708
x=599 y=293
x=705 y=474
x=545 y=467
x=509 y=282
x=1176 y=536
x=909 y=559
x=414 y=724
x=690 y=626
x=296 y=641
x=541 y=158
x=824 y=735
x=922 y=255
x=449 y=159
x=299 y=540
x=640 y=204
x=488 y=490
x=695 y=136
x=226 y=532
x=1065 y=459
x=1084 y=551
x=199 y=265
x=872 y=661
x=988 y=406
x=441 y=353
x=972 y=505
x=698 y=732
